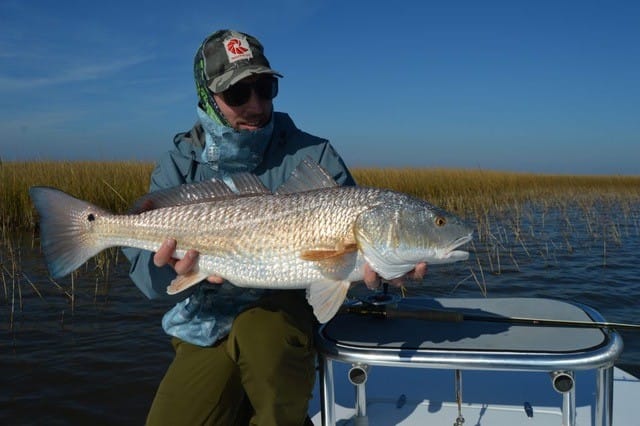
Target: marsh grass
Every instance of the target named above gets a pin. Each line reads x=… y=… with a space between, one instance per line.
x=474 y=193
x=112 y=185
x=516 y=215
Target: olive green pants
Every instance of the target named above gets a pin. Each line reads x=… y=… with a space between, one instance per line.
x=262 y=374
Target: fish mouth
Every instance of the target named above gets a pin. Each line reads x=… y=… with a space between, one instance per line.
x=451 y=254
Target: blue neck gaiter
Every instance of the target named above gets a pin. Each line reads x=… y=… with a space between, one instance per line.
x=228 y=150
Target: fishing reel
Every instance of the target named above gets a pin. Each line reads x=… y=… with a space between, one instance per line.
x=381 y=297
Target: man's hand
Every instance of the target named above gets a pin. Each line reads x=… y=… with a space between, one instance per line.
x=372 y=280
x=164 y=256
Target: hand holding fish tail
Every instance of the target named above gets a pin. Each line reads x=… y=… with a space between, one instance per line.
x=164 y=256
x=372 y=280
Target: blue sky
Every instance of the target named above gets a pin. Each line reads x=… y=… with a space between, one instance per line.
x=532 y=86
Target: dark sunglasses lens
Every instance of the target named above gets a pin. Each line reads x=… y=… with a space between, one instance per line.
x=239 y=94
x=267 y=88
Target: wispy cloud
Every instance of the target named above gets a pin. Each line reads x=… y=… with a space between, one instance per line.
x=71 y=74
x=59 y=53
x=19 y=122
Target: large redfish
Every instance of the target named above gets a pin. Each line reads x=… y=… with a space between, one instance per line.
x=318 y=239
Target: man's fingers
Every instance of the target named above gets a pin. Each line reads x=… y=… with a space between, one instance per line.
x=187 y=263
x=420 y=271
x=164 y=256
x=371 y=278
x=165 y=253
x=215 y=279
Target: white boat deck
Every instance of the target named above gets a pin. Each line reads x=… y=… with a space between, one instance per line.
x=409 y=396
x=505 y=369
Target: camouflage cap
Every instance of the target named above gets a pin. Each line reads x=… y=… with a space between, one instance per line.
x=227 y=56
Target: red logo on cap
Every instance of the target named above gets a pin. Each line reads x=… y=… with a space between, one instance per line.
x=235 y=46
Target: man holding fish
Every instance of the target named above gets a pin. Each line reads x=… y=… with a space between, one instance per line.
x=253 y=362
x=263 y=225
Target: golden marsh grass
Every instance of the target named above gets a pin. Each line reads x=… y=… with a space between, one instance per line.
x=470 y=193
x=508 y=210
x=112 y=185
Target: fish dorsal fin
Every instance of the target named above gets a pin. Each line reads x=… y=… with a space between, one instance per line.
x=248 y=184
x=306 y=176
x=245 y=184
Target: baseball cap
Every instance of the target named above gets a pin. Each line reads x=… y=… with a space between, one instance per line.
x=228 y=56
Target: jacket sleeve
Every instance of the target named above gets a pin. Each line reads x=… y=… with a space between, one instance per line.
x=151 y=280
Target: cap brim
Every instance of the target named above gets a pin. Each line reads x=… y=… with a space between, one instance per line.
x=223 y=82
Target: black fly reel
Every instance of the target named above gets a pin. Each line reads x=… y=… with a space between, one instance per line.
x=381 y=298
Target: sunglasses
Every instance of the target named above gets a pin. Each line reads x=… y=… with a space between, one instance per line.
x=239 y=94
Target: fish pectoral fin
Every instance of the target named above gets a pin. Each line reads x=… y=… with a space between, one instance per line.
x=319 y=254
x=326 y=298
x=183 y=282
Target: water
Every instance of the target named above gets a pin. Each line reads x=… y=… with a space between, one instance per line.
x=100 y=360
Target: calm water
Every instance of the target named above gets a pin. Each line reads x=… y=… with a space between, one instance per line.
x=101 y=362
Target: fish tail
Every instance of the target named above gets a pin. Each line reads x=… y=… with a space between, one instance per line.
x=66 y=225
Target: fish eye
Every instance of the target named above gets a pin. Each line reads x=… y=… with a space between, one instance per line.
x=440 y=221
x=91 y=217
